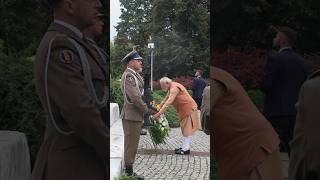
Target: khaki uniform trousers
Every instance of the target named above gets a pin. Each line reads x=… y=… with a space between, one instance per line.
x=269 y=169
x=131 y=139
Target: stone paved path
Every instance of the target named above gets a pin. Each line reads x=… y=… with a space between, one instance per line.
x=162 y=163
x=285 y=162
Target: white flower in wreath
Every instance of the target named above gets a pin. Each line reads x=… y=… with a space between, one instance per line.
x=162 y=129
x=164 y=124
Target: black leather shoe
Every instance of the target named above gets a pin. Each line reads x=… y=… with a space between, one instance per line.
x=129 y=171
x=175 y=150
x=182 y=152
x=142 y=132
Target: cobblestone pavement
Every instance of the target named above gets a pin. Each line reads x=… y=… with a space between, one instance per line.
x=285 y=162
x=162 y=163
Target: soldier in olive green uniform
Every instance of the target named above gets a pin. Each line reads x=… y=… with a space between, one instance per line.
x=134 y=108
x=71 y=84
x=305 y=145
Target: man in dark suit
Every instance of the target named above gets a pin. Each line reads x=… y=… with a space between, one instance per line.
x=285 y=72
x=198 y=86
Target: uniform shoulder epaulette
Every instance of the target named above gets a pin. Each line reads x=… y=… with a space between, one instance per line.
x=65 y=42
x=314 y=74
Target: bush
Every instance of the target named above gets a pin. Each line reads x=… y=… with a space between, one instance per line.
x=124 y=176
x=213 y=169
x=116 y=95
x=171 y=114
x=257 y=98
x=186 y=81
x=20 y=108
x=247 y=67
x=159 y=95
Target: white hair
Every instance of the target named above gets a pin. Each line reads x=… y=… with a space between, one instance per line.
x=165 y=80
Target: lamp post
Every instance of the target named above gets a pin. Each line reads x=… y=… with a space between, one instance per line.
x=151 y=46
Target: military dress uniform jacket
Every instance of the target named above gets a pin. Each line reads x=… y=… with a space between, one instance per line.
x=80 y=149
x=134 y=108
x=305 y=146
x=104 y=60
x=205 y=106
x=205 y=110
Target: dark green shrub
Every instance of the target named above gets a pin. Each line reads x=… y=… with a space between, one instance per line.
x=124 y=176
x=257 y=98
x=115 y=92
x=213 y=169
x=160 y=95
x=20 y=107
x=171 y=113
x=246 y=67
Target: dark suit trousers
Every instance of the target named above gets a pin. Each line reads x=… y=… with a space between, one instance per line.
x=198 y=101
x=284 y=126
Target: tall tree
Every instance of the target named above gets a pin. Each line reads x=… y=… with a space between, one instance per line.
x=179 y=29
x=132 y=30
x=246 y=23
x=135 y=19
x=181 y=32
x=22 y=26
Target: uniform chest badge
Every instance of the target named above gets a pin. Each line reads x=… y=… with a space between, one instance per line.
x=66 y=56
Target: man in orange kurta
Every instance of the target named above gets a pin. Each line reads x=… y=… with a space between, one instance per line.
x=245 y=144
x=178 y=96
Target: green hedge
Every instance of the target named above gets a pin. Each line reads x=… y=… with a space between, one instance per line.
x=124 y=176
x=171 y=113
x=257 y=98
x=213 y=169
x=115 y=92
x=20 y=107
